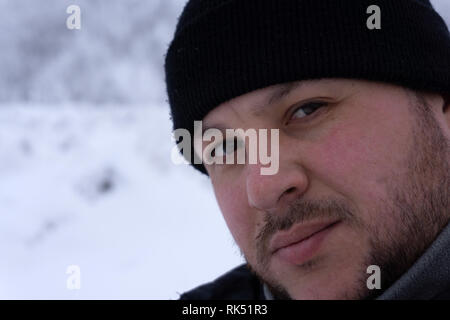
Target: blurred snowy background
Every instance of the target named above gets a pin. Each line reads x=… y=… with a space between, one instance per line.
x=86 y=176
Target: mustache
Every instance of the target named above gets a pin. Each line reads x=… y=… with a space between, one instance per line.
x=301 y=211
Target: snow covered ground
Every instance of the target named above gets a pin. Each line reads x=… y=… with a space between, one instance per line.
x=96 y=188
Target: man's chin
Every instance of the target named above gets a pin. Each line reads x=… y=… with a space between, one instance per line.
x=316 y=279
x=317 y=290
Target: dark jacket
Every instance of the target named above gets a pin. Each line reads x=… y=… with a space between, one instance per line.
x=237 y=284
x=427 y=279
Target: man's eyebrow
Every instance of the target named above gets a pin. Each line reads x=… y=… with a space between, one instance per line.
x=278 y=93
x=218 y=127
x=283 y=91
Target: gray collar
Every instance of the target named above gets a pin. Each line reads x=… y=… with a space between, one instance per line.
x=428 y=277
x=267 y=294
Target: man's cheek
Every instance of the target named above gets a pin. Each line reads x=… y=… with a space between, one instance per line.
x=342 y=152
x=349 y=160
x=236 y=213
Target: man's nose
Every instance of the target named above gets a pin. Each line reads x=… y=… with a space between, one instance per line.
x=272 y=192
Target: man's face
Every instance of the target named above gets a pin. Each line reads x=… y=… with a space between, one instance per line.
x=364 y=179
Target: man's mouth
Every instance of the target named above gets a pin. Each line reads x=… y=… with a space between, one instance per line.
x=301 y=242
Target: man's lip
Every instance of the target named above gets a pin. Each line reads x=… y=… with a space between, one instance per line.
x=296 y=234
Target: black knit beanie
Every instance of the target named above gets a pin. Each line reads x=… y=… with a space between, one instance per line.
x=225 y=48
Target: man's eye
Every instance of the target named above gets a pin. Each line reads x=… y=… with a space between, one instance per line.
x=226 y=147
x=307 y=109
